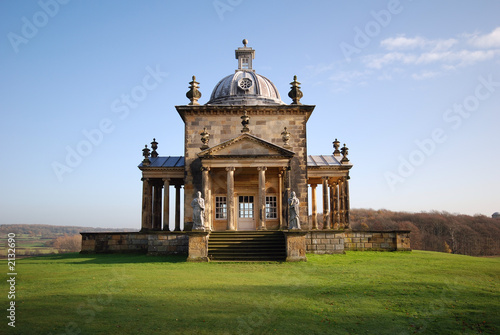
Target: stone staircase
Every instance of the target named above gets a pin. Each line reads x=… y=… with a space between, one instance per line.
x=247 y=246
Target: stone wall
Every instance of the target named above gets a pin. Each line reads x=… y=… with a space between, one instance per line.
x=161 y=243
x=325 y=242
x=397 y=240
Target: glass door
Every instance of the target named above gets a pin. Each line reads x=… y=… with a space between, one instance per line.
x=246 y=217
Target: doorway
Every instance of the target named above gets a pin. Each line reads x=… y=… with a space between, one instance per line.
x=246 y=217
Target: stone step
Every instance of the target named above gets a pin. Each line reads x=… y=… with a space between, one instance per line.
x=247 y=246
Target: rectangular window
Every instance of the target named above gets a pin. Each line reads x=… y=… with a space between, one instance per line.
x=245 y=209
x=271 y=208
x=220 y=208
x=244 y=63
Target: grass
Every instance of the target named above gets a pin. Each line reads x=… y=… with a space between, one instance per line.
x=357 y=293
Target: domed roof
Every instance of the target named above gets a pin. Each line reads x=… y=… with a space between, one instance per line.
x=245 y=87
x=496 y=215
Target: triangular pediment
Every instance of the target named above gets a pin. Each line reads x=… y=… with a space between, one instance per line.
x=246 y=145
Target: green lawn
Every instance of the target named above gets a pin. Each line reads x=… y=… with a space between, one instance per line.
x=357 y=293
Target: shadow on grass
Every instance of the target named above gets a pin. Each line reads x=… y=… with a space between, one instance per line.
x=266 y=309
x=130 y=258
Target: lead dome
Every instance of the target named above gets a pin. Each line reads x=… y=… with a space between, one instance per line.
x=245 y=87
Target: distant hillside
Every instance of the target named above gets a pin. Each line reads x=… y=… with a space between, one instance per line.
x=435 y=231
x=36 y=239
x=48 y=231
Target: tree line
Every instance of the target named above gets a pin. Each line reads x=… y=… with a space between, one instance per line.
x=476 y=235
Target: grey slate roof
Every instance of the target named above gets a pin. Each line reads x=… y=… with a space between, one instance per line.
x=322 y=160
x=167 y=161
x=178 y=161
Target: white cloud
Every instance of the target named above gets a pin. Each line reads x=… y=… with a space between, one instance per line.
x=491 y=40
x=404 y=43
x=425 y=75
x=448 y=54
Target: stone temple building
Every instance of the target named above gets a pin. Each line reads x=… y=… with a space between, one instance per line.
x=246 y=153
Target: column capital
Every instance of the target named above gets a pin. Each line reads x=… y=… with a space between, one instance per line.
x=230 y=168
x=166 y=180
x=262 y=168
x=145 y=179
x=205 y=168
x=325 y=178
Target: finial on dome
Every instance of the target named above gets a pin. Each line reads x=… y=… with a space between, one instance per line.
x=193 y=94
x=245 y=42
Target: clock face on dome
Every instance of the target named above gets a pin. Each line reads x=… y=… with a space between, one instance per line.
x=245 y=83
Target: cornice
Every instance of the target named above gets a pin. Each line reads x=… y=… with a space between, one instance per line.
x=185 y=110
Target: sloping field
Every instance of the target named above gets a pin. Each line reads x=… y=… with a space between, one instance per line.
x=357 y=293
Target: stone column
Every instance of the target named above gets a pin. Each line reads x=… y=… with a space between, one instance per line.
x=347 y=209
x=286 y=195
x=326 y=212
x=280 y=199
x=178 y=207
x=331 y=216
x=157 y=205
x=336 y=206
x=262 y=197
x=206 y=195
x=147 y=189
x=230 y=198
x=341 y=203
x=166 y=204
x=314 y=213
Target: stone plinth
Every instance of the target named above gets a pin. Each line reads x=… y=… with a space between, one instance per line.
x=198 y=246
x=295 y=245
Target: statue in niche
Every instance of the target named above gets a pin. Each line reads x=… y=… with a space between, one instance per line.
x=293 y=204
x=198 y=205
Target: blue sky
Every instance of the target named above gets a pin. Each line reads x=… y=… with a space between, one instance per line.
x=412 y=88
